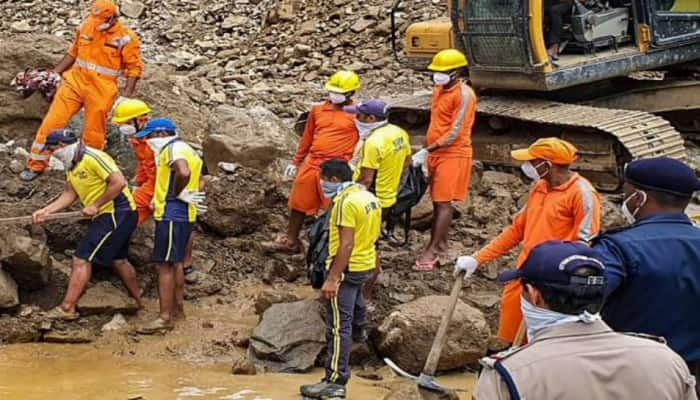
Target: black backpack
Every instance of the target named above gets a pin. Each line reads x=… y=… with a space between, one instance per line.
x=317 y=255
x=410 y=193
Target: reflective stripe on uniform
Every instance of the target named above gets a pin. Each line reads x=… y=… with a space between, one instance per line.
x=38 y=146
x=104 y=239
x=170 y=240
x=97 y=68
x=585 y=232
x=335 y=362
x=459 y=121
x=39 y=157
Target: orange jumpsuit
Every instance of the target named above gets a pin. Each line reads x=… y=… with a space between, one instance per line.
x=329 y=134
x=569 y=212
x=451 y=120
x=145 y=178
x=100 y=57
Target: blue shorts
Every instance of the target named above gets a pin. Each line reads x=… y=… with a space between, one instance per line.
x=107 y=238
x=171 y=241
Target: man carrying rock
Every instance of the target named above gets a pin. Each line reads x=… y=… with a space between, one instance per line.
x=330 y=133
x=93 y=177
x=562 y=205
x=572 y=353
x=448 y=151
x=103 y=50
x=653 y=266
x=355 y=226
x=177 y=201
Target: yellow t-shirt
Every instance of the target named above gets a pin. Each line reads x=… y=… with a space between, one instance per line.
x=385 y=151
x=167 y=206
x=356 y=208
x=89 y=180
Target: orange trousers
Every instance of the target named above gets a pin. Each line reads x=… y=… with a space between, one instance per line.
x=511 y=315
x=143 y=196
x=307 y=194
x=78 y=89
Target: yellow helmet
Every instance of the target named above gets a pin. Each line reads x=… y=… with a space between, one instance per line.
x=447 y=60
x=343 y=82
x=128 y=110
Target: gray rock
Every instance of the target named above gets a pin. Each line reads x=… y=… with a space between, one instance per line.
x=22 y=27
x=406 y=334
x=234 y=21
x=290 y=337
x=18 y=330
x=8 y=291
x=132 y=8
x=24 y=258
x=104 y=298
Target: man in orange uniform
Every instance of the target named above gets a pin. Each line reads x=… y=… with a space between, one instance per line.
x=449 y=148
x=562 y=205
x=330 y=133
x=102 y=50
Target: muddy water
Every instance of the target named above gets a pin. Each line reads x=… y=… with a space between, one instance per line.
x=64 y=372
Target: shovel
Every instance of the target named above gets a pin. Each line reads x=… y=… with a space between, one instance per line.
x=426 y=380
x=52 y=217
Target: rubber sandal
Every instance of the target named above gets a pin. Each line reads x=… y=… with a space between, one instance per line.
x=158 y=325
x=28 y=175
x=59 y=314
x=425 y=266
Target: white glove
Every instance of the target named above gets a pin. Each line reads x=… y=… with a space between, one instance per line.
x=290 y=171
x=196 y=198
x=466 y=264
x=419 y=158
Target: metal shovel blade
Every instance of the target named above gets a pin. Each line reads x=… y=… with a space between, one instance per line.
x=398 y=369
x=423 y=381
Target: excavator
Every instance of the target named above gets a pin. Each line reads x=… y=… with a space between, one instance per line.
x=624 y=85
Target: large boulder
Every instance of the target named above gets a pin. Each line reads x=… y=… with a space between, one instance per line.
x=8 y=291
x=290 y=337
x=254 y=138
x=104 y=298
x=25 y=258
x=407 y=334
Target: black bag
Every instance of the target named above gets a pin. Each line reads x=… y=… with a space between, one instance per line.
x=411 y=192
x=317 y=255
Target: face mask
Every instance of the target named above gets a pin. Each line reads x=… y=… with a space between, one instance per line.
x=337 y=98
x=127 y=130
x=630 y=216
x=441 y=78
x=66 y=155
x=531 y=170
x=158 y=143
x=330 y=189
x=366 y=128
x=537 y=318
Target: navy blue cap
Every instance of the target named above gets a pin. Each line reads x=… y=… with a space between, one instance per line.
x=58 y=136
x=157 y=125
x=662 y=174
x=378 y=108
x=555 y=262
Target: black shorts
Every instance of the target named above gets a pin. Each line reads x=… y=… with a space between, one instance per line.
x=107 y=238
x=171 y=241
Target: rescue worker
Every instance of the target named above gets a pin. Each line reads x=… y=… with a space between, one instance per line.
x=562 y=205
x=354 y=229
x=572 y=353
x=330 y=133
x=93 y=178
x=448 y=151
x=177 y=201
x=103 y=50
x=653 y=266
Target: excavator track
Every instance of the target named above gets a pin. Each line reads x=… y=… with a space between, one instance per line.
x=607 y=138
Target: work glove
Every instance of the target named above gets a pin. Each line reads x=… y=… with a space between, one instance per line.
x=466 y=264
x=419 y=158
x=290 y=171
x=196 y=198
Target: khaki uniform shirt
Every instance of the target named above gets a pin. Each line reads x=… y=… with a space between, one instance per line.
x=589 y=361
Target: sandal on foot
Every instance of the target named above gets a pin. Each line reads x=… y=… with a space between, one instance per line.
x=425 y=266
x=158 y=325
x=59 y=314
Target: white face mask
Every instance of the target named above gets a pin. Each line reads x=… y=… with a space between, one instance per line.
x=537 y=318
x=127 y=130
x=441 y=78
x=630 y=216
x=531 y=170
x=366 y=128
x=337 y=98
x=158 y=143
x=66 y=155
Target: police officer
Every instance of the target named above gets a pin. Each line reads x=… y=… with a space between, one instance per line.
x=653 y=266
x=572 y=353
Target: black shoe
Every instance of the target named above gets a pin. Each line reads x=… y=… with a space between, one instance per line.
x=359 y=335
x=323 y=390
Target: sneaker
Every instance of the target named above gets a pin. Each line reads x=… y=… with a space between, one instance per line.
x=28 y=175
x=323 y=390
x=57 y=313
x=158 y=325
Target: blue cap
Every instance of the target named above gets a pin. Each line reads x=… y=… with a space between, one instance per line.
x=58 y=136
x=378 y=108
x=662 y=174
x=157 y=125
x=555 y=262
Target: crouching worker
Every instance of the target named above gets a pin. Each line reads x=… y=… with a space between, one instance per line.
x=572 y=353
x=177 y=201
x=355 y=226
x=93 y=177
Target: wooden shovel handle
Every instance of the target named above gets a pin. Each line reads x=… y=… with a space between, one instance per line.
x=52 y=217
x=439 y=342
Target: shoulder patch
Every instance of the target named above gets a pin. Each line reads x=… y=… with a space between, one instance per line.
x=658 y=339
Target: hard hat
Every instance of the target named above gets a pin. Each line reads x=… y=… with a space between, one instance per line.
x=552 y=149
x=447 y=60
x=128 y=110
x=343 y=82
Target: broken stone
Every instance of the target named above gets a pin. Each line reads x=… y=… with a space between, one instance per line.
x=22 y=27
x=104 y=298
x=24 y=258
x=362 y=25
x=234 y=21
x=8 y=291
x=132 y=8
x=15 y=330
x=73 y=335
x=205 y=286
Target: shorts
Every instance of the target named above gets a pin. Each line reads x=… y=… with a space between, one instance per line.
x=143 y=195
x=307 y=195
x=107 y=238
x=171 y=241
x=449 y=178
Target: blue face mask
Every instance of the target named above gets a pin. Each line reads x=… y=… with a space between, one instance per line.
x=537 y=318
x=330 y=189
